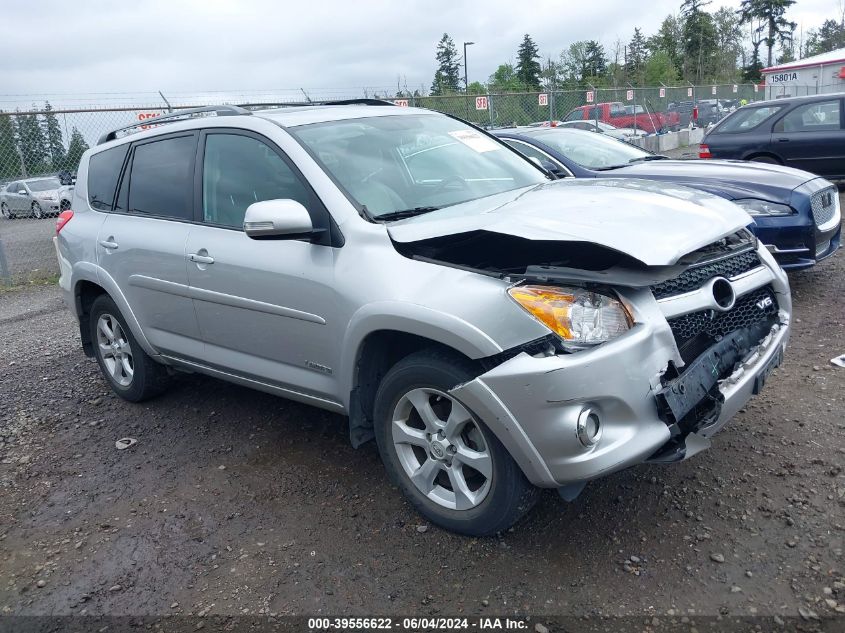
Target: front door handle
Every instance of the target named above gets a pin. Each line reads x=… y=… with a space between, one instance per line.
x=783 y=140
x=200 y=259
x=109 y=244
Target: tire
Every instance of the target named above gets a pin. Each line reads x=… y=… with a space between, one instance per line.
x=6 y=212
x=37 y=213
x=495 y=492
x=769 y=160
x=130 y=372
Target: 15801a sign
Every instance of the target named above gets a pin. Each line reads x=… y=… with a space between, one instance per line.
x=782 y=78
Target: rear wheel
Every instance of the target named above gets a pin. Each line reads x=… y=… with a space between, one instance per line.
x=764 y=158
x=449 y=465
x=37 y=213
x=130 y=372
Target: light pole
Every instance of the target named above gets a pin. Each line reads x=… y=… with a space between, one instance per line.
x=466 y=83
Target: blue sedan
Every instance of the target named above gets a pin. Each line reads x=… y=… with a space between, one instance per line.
x=796 y=214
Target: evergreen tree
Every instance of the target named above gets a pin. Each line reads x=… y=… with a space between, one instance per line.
x=32 y=143
x=55 y=141
x=636 y=57
x=596 y=59
x=76 y=148
x=829 y=37
x=10 y=161
x=527 y=67
x=699 y=39
x=728 y=44
x=670 y=40
x=448 y=75
x=771 y=12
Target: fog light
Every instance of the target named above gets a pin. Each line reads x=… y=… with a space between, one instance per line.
x=589 y=428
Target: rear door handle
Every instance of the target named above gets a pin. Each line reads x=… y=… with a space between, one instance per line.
x=109 y=244
x=200 y=259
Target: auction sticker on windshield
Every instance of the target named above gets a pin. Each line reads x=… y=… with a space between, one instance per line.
x=474 y=140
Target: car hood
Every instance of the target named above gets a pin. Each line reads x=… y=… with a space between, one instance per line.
x=731 y=179
x=652 y=222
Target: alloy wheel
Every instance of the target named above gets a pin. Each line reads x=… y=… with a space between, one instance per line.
x=114 y=349
x=442 y=449
x=36 y=211
x=5 y=211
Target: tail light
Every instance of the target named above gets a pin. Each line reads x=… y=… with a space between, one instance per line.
x=64 y=218
x=704 y=151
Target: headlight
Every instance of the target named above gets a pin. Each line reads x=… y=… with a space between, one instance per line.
x=580 y=317
x=763 y=207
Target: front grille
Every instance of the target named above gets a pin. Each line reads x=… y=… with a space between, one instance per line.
x=694 y=278
x=696 y=331
x=824 y=205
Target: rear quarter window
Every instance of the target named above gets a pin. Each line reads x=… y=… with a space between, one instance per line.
x=103 y=172
x=745 y=120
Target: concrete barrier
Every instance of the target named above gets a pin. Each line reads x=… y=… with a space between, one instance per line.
x=672 y=140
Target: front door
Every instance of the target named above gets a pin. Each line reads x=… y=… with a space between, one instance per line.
x=265 y=307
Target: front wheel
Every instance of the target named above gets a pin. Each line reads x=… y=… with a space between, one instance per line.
x=37 y=213
x=446 y=461
x=6 y=212
x=130 y=372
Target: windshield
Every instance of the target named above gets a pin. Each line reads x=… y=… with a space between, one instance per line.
x=389 y=164
x=45 y=184
x=746 y=119
x=593 y=151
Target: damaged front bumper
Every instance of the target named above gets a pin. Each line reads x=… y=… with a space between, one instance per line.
x=533 y=404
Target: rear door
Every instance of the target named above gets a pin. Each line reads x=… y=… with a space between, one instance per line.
x=811 y=137
x=141 y=244
x=267 y=308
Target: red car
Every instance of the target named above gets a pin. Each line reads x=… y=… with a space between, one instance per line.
x=615 y=113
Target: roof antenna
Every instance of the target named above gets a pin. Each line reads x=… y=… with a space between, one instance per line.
x=169 y=107
x=307 y=98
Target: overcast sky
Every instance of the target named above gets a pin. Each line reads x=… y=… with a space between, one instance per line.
x=97 y=50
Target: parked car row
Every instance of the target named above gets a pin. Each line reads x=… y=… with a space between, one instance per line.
x=495 y=329
x=35 y=197
x=796 y=214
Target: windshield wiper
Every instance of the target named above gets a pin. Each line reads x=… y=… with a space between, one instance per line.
x=643 y=159
x=405 y=213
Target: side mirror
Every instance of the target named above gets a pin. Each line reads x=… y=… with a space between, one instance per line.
x=553 y=168
x=280 y=219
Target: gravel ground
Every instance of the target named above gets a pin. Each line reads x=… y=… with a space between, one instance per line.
x=235 y=502
x=27 y=246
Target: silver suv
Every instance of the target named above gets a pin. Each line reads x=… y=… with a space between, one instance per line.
x=494 y=330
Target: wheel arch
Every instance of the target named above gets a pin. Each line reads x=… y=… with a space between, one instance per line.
x=758 y=153
x=376 y=353
x=87 y=286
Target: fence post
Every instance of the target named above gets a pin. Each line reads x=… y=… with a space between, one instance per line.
x=5 y=272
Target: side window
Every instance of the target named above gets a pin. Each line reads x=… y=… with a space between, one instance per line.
x=575 y=115
x=239 y=170
x=103 y=172
x=526 y=150
x=821 y=116
x=161 y=178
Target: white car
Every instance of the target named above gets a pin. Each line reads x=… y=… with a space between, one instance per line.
x=621 y=133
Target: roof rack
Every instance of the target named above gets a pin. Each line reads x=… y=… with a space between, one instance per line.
x=189 y=113
x=300 y=104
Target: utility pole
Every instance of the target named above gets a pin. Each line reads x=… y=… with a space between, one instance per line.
x=466 y=82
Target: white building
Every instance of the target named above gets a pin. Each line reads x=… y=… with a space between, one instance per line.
x=811 y=75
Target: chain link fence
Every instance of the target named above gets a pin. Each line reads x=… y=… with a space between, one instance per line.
x=40 y=148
